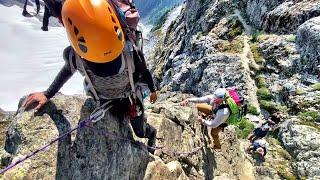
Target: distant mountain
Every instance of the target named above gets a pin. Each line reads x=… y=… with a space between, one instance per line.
x=152 y=10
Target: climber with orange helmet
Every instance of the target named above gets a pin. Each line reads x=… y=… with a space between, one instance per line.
x=113 y=68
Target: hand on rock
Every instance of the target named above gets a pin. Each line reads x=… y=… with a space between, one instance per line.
x=184 y=103
x=38 y=97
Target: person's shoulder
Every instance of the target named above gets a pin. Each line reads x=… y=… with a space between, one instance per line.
x=223 y=109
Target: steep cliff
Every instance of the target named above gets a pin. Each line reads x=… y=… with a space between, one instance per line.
x=108 y=150
x=209 y=44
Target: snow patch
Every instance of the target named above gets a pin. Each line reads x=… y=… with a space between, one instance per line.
x=30 y=58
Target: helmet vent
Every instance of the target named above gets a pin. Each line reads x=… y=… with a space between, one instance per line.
x=109 y=9
x=69 y=20
x=76 y=31
x=119 y=35
x=81 y=39
x=83 y=48
x=116 y=28
x=113 y=20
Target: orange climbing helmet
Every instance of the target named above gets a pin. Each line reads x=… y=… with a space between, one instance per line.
x=93 y=29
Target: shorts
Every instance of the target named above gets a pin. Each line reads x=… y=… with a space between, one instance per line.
x=260 y=133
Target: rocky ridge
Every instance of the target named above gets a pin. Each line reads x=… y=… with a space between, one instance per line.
x=281 y=16
x=193 y=58
x=206 y=46
x=87 y=154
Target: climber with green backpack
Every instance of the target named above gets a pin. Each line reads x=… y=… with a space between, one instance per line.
x=221 y=108
x=103 y=50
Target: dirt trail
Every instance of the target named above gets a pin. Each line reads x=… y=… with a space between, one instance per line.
x=247 y=59
x=247 y=167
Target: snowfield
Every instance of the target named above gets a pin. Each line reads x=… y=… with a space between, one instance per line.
x=30 y=58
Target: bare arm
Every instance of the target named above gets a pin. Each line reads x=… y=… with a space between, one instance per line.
x=204 y=99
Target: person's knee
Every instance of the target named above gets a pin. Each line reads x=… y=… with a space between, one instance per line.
x=151 y=131
x=139 y=133
x=138 y=130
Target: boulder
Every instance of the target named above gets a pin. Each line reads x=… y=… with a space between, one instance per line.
x=288 y=16
x=258 y=9
x=281 y=16
x=85 y=154
x=308 y=44
x=303 y=143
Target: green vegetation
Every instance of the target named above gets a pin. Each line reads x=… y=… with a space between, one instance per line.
x=284 y=173
x=3 y=128
x=272 y=107
x=235 y=46
x=253 y=109
x=261 y=81
x=235 y=32
x=310 y=103
x=244 y=128
x=263 y=93
x=257 y=54
x=311 y=124
x=255 y=36
x=291 y=38
x=235 y=28
x=283 y=153
x=316 y=87
x=199 y=34
x=310 y=115
x=300 y=91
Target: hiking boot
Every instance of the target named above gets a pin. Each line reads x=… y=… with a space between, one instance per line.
x=152 y=142
x=44 y=28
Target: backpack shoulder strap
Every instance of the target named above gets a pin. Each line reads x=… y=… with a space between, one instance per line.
x=87 y=79
x=222 y=106
x=128 y=55
x=25 y=13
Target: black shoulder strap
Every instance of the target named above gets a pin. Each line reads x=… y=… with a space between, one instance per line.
x=222 y=106
x=25 y=13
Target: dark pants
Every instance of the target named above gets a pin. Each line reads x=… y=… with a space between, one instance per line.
x=46 y=16
x=140 y=127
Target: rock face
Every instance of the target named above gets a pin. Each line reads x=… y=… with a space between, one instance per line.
x=178 y=131
x=3 y=114
x=83 y=155
x=308 y=44
x=257 y=10
x=5 y=120
x=303 y=143
x=207 y=45
x=197 y=55
x=281 y=16
x=87 y=154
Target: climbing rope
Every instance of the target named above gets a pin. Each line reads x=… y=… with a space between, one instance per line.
x=95 y=116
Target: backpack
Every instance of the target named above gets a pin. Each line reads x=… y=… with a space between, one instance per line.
x=129 y=17
x=235 y=104
x=127 y=12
